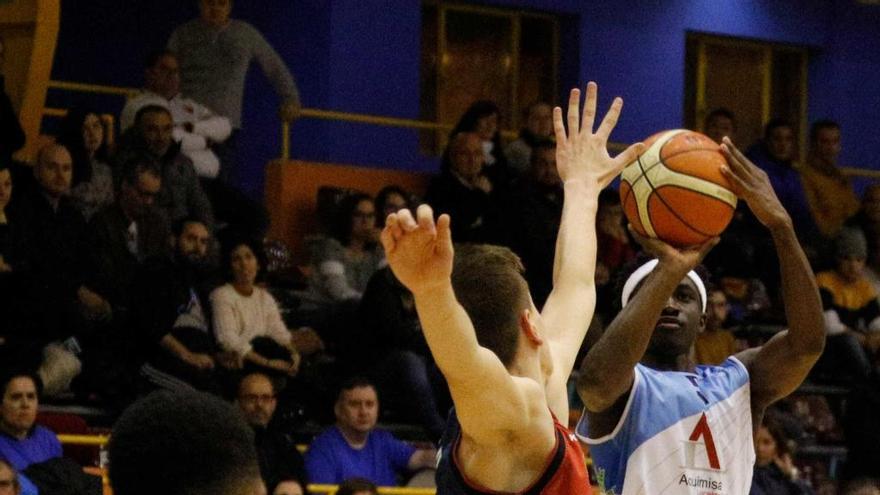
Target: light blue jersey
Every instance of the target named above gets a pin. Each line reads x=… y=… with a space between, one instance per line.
x=680 y=433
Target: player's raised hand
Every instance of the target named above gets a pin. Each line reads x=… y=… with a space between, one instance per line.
x=582 y=154
x=681 y=258
x=419 y=251
x=752 y=185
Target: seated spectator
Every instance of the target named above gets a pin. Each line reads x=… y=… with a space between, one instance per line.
x=59 y=306
x=538 y=118
x=718 y=123
x=199 y=131
x=462 y=189
x=170 y=317
x=394 y=349
x=868 y=220
x=247 y=321
x=151 y=136
x=184 y=443
x=13 y=483
x=83 y=134
x=11 y=134
x=482 y=118
x=357 y=486
x=354 y=447
x=11 y=255
x=277 y=453
x=775 y=473
x=196 y=127
x=23 y=442
x=289 y=487
x=532 y=213
x=852 y=313
x=715 y=343
x=390 y=199
x=614 y=246
x=829 y=192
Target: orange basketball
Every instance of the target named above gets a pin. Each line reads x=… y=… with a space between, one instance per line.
x=674 y=190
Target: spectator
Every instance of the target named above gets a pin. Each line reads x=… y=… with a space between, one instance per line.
x=357 y=486
x=215 y=53
x=869 y=221
x=615 y=249
x=344 y=262
x=354 y=447
x=247 y=321
x=775 y=473
x=11 y=253
x=862 y=486
x=84 y=134
x=395 y=350
x=127 y=233
x=185 y=443
x=531 y=220
x=719 y=123
x=462 y=189
x=851 y=310
x=11 y=134
x=390 y=199
x=22 y=442
x=538 y=127
x=715 y=343
x=12 y=483
x=829 y=193
x=482 y=118
x=196 y=127
x=151 y=136
x=169 y=315
x=59 y=304
x=289 y=487
x=277 y=453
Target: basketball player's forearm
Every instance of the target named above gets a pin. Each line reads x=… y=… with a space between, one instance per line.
x=575 y=256
x=803 y=306
x=606 y=373
x=448 y=329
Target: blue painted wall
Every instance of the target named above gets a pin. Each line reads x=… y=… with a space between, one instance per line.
x=364 y=57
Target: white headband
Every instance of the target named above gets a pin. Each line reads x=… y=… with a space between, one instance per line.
x=643 y=271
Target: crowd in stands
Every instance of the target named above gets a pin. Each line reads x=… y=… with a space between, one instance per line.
x=136 y=264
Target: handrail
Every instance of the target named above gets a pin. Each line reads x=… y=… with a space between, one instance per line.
x=93 y=88
x=90 y=440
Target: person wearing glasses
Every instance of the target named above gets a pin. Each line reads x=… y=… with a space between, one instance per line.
x=276 y=451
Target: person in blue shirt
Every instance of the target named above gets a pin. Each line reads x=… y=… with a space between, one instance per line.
x=22 y=443
x=12 y=483
x=354 y=447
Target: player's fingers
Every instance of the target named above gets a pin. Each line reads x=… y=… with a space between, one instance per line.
x=392 y=223
x=735 y=157
x=444 y=232
x=610 y=119
x=590 y=107
x=736 y=182
x=558 y=126
x=406 y=220
x=425 y=218
x=628 y=155
x=387 y=238
x=574 y=104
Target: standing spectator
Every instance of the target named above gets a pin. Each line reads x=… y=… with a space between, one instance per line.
x=462 y=189
x=11 y=134
x=276 y=451
x=354 y=447
x=720 y=122
x=829 y=193
x=152 y=136
x=183 y=443
x=775 y=473
x=247 y=321
x=538 y=127
x=84 y=134
x=215 y=52
x=482 y=118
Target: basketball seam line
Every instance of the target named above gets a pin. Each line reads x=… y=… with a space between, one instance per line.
x=660 y=197
x=660 y=160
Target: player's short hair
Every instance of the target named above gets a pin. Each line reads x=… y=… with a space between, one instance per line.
x=181 y=443
x=488 y=282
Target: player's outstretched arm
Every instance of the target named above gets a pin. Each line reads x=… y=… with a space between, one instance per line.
x=420 y=254
x=585 y=168
x=607 y=372
x=779 y=366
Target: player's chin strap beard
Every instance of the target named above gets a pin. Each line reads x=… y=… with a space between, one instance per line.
x=643 y=271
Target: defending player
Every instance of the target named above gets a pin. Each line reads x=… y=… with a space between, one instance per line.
x=658 y=424
x=506 y=363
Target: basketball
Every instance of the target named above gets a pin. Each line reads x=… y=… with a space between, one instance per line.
x=674 y=190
